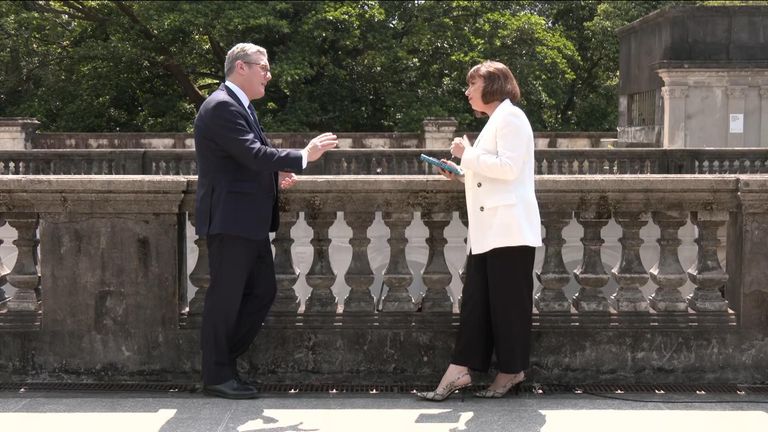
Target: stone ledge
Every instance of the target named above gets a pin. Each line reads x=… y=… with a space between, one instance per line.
x=92 y=194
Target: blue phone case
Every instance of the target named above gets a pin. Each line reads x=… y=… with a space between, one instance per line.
x=440 y=164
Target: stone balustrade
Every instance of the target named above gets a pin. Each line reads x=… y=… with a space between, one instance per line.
x=549 y=161
x=108 y=295
x=20 y=133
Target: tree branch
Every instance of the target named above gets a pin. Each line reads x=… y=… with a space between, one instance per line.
x=168 y=61
x=218 y=51
x=73 y=10
x=86 y=11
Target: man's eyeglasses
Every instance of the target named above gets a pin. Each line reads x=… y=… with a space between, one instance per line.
x=264 y=67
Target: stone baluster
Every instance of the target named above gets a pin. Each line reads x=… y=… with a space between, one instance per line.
x=464 y=218
x=553 y=275
x=668 y=274
x=591 y=274
x=707 y=273
x=3 y=272
x=359 y=275
x=320 y=276
x=630 y=273
x=584 y=166
x=200 y=277
x=286 y=273
x=25 y=275
x=397 y=276
x=436 y=275
x=567 y=166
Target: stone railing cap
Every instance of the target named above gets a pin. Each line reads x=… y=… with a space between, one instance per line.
x=93 y=183
x=24 y=122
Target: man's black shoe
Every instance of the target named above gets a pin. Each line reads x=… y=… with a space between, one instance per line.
x=242 y=381
x=230 y=390
x=245 y=383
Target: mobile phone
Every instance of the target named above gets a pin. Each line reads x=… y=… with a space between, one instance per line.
x=442 y=165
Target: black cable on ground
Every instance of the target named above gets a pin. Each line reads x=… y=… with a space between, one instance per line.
x=666 y=401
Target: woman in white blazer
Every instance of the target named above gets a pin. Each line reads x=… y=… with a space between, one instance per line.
x=504 y=230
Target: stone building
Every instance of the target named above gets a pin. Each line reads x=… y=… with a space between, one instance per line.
x=695 y=77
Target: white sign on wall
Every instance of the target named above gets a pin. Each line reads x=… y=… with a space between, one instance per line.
x=737 y=123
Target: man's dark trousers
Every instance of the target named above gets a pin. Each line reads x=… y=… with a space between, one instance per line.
x=241 y=291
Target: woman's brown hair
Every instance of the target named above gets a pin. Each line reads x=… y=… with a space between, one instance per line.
x=498 y=82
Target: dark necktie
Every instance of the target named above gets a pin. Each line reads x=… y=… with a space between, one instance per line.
x=252 y=110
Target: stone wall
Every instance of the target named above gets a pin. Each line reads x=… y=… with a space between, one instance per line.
x=716 y=34
x=715 y=105
x=695 y=77
x=107 y=297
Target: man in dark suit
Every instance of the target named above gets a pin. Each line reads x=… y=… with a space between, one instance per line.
x=239 y=176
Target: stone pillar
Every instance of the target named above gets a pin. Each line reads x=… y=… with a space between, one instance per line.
x=359 y=275
x=668 y=274
x=110 y=272
x=763 y=116
x=707 y=273
x=397 y=276
x=25 y=275
x=464 y=218
x=553 y=275
x=200 y=277
x=591 y=274
x=674 y=116
x=16 y=133
x=286 y=273
x=320 y=276
x=737 y=105
x=3 y=272
x=436 y=275
x=629 y=273
x=746 y=289
x=438 y=132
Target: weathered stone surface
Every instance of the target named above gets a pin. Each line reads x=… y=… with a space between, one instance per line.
x=111 y=294
x=16 y=133
x=110 y=276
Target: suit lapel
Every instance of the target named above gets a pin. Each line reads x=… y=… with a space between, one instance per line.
x=254 y=125
x=489 y=130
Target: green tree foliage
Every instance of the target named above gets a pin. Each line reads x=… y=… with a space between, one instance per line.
x=590 y=101
x=342 y=66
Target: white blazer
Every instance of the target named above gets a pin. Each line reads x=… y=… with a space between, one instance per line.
x=499 y=183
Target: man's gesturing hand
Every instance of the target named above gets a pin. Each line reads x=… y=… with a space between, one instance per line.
x=286 y=179
x=319 y=145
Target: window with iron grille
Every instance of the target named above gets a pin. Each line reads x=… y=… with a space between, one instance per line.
x=642 y=108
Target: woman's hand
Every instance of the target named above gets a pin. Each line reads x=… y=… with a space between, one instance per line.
x=447 y=174
x=458 y=145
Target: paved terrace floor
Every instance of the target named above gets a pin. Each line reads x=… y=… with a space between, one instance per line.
x=85 y=411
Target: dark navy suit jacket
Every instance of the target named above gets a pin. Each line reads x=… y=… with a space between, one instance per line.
x=237 y=170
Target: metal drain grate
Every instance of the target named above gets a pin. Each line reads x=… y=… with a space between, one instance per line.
x=332 y=388
x=97 y=387
x=652 y=388
x=402 y=388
